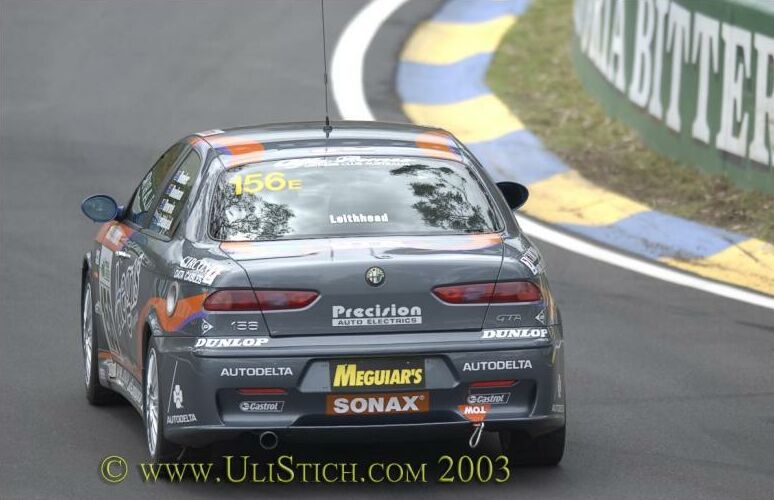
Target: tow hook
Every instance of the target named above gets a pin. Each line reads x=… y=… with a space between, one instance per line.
x=475 y=438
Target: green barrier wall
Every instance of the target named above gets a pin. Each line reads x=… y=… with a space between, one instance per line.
x=694 y=77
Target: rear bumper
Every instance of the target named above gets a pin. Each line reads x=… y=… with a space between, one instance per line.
x=286 y=385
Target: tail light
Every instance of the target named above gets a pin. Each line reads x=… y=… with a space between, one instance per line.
x=507 y=292
x=494 y=384
x=262 y=391
x=232 y=300
x=259 y=300
x=516 y=291
x=280 y=300
x=477 y=293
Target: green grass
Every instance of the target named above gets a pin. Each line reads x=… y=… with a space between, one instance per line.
x=532 y=72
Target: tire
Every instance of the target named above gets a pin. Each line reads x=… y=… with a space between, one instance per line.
x=95 y=393
x=545 y=450
x=159 y=448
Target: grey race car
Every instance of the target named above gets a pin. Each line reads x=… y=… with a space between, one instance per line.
x=290 y=281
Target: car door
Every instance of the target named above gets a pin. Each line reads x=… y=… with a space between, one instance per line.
x=126 y=264
x=150 y=249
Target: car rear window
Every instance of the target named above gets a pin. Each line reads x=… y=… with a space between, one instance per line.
x=348 y=196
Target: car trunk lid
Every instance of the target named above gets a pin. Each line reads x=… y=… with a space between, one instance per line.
x=336 y=268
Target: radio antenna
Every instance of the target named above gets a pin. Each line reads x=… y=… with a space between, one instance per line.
x=327 y=128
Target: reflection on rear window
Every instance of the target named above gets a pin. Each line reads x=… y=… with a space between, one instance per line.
x=348 y=196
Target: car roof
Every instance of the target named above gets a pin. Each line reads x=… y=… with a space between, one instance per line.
x=239 y=146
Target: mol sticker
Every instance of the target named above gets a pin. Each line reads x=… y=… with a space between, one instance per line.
x=475 y=413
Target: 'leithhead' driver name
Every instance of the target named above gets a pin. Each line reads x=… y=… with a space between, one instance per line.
x=358 y=218
x=376 y=315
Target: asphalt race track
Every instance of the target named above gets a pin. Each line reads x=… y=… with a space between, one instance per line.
x=670 y=390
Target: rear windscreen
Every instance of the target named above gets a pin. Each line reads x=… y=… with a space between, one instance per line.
x=348 y=196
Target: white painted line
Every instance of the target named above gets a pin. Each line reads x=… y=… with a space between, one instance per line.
x=349 y=94
x=652 y=269
x=349 y=57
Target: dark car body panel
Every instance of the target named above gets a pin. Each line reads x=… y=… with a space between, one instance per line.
x=134 y=272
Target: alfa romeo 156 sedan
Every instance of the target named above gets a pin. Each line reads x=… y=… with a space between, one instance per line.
x=292 y=281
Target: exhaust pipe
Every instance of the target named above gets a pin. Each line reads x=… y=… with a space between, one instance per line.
x=268 y=440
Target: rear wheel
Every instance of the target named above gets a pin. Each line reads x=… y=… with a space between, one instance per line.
x=95 y=393
x=544 y=450
x=159 y=448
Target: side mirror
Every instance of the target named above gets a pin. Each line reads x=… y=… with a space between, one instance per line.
x=515 y=194
x=100 y=208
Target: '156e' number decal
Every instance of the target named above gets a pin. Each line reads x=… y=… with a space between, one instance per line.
x=254 y=183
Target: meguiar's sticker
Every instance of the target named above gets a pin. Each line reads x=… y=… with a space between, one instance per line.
x=257 y=182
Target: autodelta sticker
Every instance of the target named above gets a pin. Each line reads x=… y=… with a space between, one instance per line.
x=515 y=333
x=378 y=404
x=500 y=365
x=231 y=342
x=188 y=418
x=376 y=315
x=178 y=401
x=259 y=371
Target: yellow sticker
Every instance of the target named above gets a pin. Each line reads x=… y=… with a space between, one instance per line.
x=256 y=182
